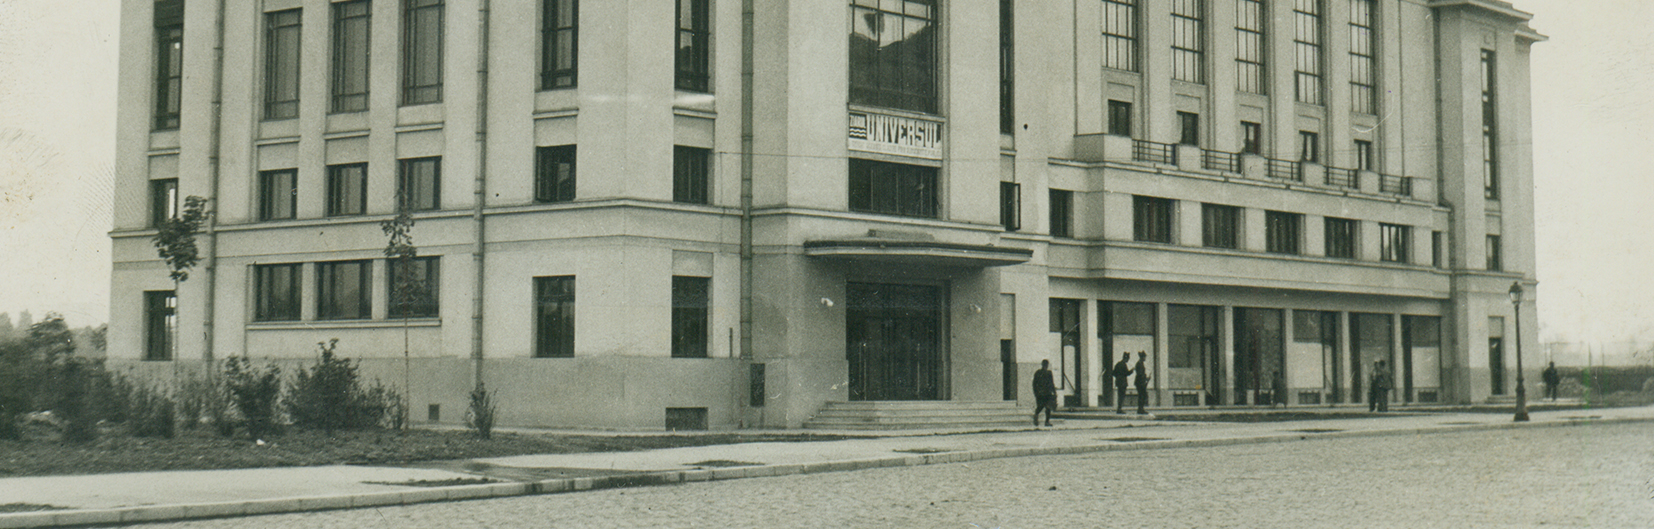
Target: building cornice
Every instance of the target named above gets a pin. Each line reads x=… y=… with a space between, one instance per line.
x=1496 y=7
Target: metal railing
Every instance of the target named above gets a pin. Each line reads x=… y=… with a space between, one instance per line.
x=1220 y=161
x=1148 y=151
x=1395 y=185
x=1338 y=177
x=1284 y=169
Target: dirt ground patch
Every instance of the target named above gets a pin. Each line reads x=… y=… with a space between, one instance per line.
x=201 y=451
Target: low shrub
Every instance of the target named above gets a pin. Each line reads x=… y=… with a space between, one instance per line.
x=254 y=394
x=482 y=412
x=329 y=395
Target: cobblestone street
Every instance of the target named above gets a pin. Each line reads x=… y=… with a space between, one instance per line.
x=1587 y=476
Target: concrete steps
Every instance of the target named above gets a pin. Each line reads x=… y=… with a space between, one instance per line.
x=902 y=415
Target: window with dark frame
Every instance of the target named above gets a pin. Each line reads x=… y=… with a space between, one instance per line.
x=554 y=317
x=893 y=58
x=1490 y=127
x=1007 y=67
x=1364 y=155
x=1340 y=237
x=169 y=62
x=1188 y=124
x=691 y=309
x=1283 y=232
x=1363 y=47
x=415 y=292
x=1436 y=249
x=160 y=322
x=1251 y=75
x=276 y=292
x=554 y=173
x=1309 y=146
x=1062 y=213
x=422 y=37
x=347 y=189
x=1189 y=40
x=278 y=194
x=1393 y=243
x=1251 y=137
x=281 y=64
x=1151 y=219
x=1010 y=205
x=1306 y=15
x=419 y=184
x=691 y=170
x=694 y=49
x=1495 y=254
x=344 y=290
x=559 y=43
x=1220 y=226
x=892 y=188
x=352 y=42
x=1119 y=118
x=163 y=201
x=1120 y=34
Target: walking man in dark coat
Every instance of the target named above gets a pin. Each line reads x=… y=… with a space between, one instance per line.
x=1552 y=380
x=1142 y=383
x=1045 y=392
x=1122 y=373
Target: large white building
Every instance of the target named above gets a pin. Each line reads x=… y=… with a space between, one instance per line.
x=731 y=213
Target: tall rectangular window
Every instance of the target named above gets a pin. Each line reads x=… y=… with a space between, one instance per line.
x=1495 y=254
x=893 y=54
x=169 y=62
x=1189 y=40
x=1340 y=237
x=1394 y=241
x=1120 y=34
x=694 y=51
x=1363 y=47
x=1007 y=67
x=278 y=194
x=1282 y=232
x=347 y=189
x=554 y=317
x=163 y=201
x=414 y=292
x=1010 y=205
x=691 y=167
x=1119 y=118
x=1436 y=249
x=1306 y=16
x=352 y=31
x=419 y=184
x=1309 y=146
x=1188 y=125
x=690 y=316
x=1490 y=127
x=276 y=292
x=892 y=189
x=1062 y=213
x=281 y=64
x=421 y=51
x=1151 y=219
x=559 y=43
x=1251 y=75
x=554 y=174
x=1220 y=226
x=160 y=320
x=344 y=290
x=1364 y=156
x=1251 y=137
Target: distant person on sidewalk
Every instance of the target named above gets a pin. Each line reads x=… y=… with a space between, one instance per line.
x=1279 y=386
x=1045 y=392
x=1552 y=380
x=1381 y=384
x=1142 y=383
x=1122 y=372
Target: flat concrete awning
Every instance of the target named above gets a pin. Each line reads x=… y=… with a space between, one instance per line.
x=918 y=253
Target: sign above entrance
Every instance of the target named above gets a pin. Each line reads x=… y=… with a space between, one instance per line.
x=901 y=136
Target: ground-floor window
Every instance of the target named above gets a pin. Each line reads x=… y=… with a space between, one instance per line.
x=1193 y=355
x=344 y=290
x=1422 y=362
x=690 y=309
x=1372 y=340
x=1065 y=324
x=1496 y=354
x=160 y=319
x=1258 y=353
x=414 y=292
x=276 y=292
x=554 y=317
x=1126 y=329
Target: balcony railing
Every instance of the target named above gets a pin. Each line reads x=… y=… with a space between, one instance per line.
x=1347 y=178
x=1148 y=151
x=1395 y=185
x=1284 y=169
x=1220 y=161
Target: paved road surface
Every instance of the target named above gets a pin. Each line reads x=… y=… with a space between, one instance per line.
x=1587 y=476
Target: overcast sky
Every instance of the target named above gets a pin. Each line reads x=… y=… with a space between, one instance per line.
x=1593 y=122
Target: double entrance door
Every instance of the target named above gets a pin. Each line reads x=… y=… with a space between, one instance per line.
x=894 y=342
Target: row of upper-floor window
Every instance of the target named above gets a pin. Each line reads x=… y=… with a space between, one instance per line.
x=1121 y=117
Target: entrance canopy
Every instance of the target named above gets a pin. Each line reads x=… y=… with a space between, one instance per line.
x=917 y=252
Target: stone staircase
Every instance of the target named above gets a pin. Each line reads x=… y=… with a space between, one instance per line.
x=934 y=414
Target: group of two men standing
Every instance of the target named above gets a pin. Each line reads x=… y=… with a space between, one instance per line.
x=1045 y=387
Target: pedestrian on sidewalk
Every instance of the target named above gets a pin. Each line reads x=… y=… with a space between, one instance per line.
x=1045 y=392
x=1381 y=384
x=1122 y=371
x=1142 y=383
x=1552 y=380
x=1279 y=390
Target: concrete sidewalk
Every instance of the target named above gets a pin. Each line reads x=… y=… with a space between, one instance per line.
x=155 y=496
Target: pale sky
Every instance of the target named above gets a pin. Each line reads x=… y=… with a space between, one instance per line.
x=1594 y=166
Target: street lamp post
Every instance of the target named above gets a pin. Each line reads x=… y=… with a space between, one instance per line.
x=1521 y=390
